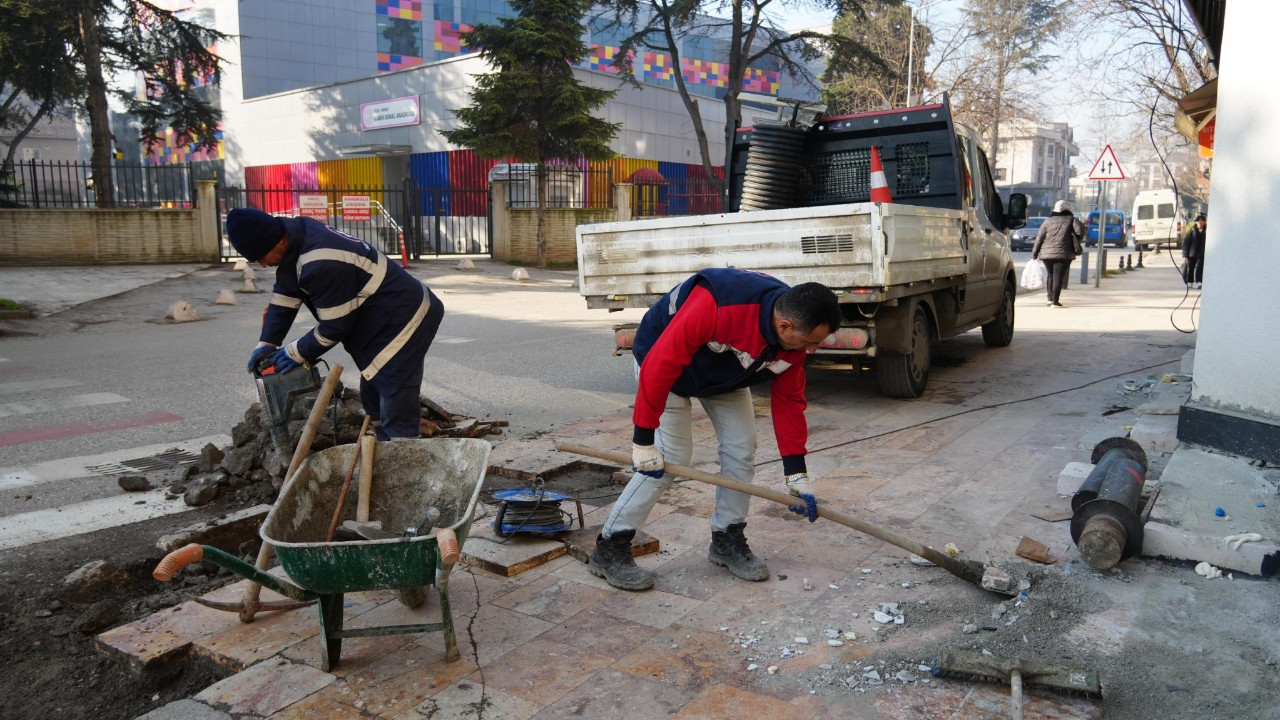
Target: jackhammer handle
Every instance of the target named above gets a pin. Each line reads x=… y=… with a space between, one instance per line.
x=947 y=562
x=176 y=560
x=251 y=593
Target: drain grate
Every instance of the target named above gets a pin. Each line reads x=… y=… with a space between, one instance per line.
x=160 y=461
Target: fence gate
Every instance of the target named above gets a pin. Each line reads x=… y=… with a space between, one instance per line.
x=431 y=221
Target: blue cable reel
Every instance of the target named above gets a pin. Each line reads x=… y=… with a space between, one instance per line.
x=536 y=511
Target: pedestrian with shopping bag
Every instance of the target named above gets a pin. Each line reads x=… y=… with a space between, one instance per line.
x=1057 y=244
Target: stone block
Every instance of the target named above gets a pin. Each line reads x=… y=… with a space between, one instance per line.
x=1256 y=558
x=582 y=542
x=226 y=533
x=265 y=688
x=1156 y=433
x=164 y=637
x=185 y=710
x=182 y=311
x=511 y=556
x=1071 y=476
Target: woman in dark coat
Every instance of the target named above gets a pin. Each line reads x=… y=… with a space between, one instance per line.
x=1057 y=244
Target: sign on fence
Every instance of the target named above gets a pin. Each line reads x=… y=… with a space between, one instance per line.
x=355 y=208
x=316 y=207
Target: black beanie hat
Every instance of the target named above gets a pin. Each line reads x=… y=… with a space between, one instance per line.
x=253 y=233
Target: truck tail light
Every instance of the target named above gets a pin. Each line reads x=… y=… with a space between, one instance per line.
x=848 y=338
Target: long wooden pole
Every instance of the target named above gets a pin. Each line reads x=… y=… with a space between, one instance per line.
x=961 y=569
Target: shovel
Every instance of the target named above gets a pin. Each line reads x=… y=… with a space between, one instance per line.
x=967 y=570
x=250 y=605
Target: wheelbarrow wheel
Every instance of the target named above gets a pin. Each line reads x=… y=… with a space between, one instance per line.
x=413 y=597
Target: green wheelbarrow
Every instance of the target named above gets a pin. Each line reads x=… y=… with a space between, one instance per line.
x=414 y=480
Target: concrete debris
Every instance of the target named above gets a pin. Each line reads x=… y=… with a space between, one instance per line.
x=806 y=584
x=752 y=666
x=882 y=618
x=1235 y=541
x=970 y=629
x=225 y=297
x=801 y=640
x=99 y=616
x=831 y=633
x=182 y=311
x=133 y=483
x=997 y=580
x=94 y=579
x=999 y=610
x=1207 y=571
x=773 y=669
x=835 y=643
x=203 y=488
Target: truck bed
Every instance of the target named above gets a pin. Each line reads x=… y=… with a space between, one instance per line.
x=860 y=246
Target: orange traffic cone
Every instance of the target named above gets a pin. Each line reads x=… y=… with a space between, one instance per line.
x=879 y=186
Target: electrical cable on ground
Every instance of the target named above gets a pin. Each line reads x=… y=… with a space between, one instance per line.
x=973 y=410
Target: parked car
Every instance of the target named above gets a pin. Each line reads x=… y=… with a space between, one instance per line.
x=1025 y=237
x=1115 y=231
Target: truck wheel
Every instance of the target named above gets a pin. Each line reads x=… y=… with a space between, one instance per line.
x=905 y=376
x=999 y=332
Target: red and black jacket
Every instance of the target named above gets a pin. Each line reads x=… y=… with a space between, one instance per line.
x=713 y=334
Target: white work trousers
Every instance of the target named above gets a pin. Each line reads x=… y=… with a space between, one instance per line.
x=733 y=418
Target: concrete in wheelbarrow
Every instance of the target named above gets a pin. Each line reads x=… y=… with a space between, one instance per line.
x=974 y=462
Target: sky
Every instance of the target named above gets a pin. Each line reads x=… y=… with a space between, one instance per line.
x=1070 y=86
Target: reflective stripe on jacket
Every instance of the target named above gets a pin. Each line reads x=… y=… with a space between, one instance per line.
x=373 y=307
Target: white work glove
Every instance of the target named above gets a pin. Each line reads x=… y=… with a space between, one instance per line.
x=647 y=460
x=801 y=486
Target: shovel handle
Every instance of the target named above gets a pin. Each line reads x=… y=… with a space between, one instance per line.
x=946 y=562
x=176 y=560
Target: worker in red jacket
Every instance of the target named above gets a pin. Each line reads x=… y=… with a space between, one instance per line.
x=711 y=338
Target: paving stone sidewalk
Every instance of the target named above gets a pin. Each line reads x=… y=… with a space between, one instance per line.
x=974 y=462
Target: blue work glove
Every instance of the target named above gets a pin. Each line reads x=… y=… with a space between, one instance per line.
x=283 y=362
x=648 y=460
x=801 y=486
x=258 y=353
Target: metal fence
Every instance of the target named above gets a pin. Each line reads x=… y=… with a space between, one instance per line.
x=432 y=221
x=680 y=196
x=44 y=184
x=567 y=186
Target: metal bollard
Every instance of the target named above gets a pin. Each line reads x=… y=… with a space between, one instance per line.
x=1105 y=525
x=1140 y=265
x=1128 y=261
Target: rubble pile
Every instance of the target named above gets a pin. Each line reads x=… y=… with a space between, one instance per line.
x=254 y=468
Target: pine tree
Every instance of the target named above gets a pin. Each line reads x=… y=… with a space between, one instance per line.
x=532 y=108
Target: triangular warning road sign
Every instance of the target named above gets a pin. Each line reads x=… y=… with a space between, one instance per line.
x=1107 y=167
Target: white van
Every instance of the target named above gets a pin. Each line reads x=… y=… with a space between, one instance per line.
x=1156 y=220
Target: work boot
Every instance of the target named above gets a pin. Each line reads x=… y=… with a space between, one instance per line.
x=729 y=549
x=612 y=561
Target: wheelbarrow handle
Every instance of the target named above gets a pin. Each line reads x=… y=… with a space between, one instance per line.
x=194 y=553
x=176 y=560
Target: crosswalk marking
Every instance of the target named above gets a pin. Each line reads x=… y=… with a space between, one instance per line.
x=85 y=517
x=453 y=340
x=30 y=385
x=79 y=467
x=67 y=403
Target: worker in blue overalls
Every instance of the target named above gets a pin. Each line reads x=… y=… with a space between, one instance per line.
x=384 y=317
